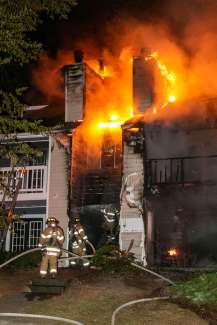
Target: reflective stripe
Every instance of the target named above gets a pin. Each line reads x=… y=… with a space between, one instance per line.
x=85 y=237
x=53 y=271
x=80 y=230
x=43 y=272
x=53 y=249
x=45 y=236
x=52 y=253
x=86 y=263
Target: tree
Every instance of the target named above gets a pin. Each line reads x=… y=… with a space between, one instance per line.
x=18 y=20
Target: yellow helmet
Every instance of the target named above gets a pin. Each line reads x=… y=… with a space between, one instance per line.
x=52 y=220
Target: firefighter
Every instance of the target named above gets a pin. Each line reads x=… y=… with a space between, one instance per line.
x=78 y=243
x=51 y=240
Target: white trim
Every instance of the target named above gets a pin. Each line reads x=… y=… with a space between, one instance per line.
x=32 y=216
x=30 y=207
x=30 y=135
x=66 y=241
x=8 y=241
x=31 y=196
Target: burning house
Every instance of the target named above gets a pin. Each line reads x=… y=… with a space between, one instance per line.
x=107 y=157
x=175 y=163
x=80 y=170
x=95 y=148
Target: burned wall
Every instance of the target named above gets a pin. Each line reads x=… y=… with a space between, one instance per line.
x=181 y=178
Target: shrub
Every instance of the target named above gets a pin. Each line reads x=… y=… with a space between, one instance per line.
x=200 y=290
x=110 y=259
x=25 y=262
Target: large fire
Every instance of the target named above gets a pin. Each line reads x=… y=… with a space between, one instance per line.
x=186 y=66
x=169 y=79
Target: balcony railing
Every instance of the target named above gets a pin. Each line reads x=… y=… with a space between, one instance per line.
x=34 y=181
x=182 y=171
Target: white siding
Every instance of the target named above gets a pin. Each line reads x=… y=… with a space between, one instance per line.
x=58 y=185
x=131 y=221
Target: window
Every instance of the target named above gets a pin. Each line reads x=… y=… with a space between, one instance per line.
x=35 y=228
x=25 y=234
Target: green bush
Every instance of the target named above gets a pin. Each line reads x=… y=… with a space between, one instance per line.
x=25 y=262
x=109 y=259
x=200 y=290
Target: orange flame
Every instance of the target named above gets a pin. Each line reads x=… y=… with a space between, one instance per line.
x=169 y=79
x=172 y=252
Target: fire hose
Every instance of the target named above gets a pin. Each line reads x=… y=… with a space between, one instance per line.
x=69 y=321
x=130 y=303
x=65 y=320
x=153 y=273
x=73 y=255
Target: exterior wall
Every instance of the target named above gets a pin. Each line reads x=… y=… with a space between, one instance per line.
x=169 y=142
x=184 y=207
x=131 y=220
x=35 y=204
x=31 y=201
x=58 y=185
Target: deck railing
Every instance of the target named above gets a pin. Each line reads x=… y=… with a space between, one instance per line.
x=34 y=180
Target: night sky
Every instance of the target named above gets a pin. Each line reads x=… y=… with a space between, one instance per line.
x=91 y=19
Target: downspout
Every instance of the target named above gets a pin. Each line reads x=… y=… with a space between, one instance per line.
x=70 y=184
x=48 y=178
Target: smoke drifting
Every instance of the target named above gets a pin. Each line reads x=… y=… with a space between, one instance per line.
x=183 y=34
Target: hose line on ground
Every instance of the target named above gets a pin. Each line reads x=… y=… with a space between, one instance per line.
x=132 y=303
x=60 y=319
x=153 y=273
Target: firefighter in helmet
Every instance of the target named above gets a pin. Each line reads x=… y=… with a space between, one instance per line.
x=78 y=243
x=51 y=240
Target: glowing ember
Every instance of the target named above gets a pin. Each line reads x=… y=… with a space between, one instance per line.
x=172 y=252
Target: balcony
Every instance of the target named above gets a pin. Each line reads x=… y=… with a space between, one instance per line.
x=184 y=171
x=34 y=183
